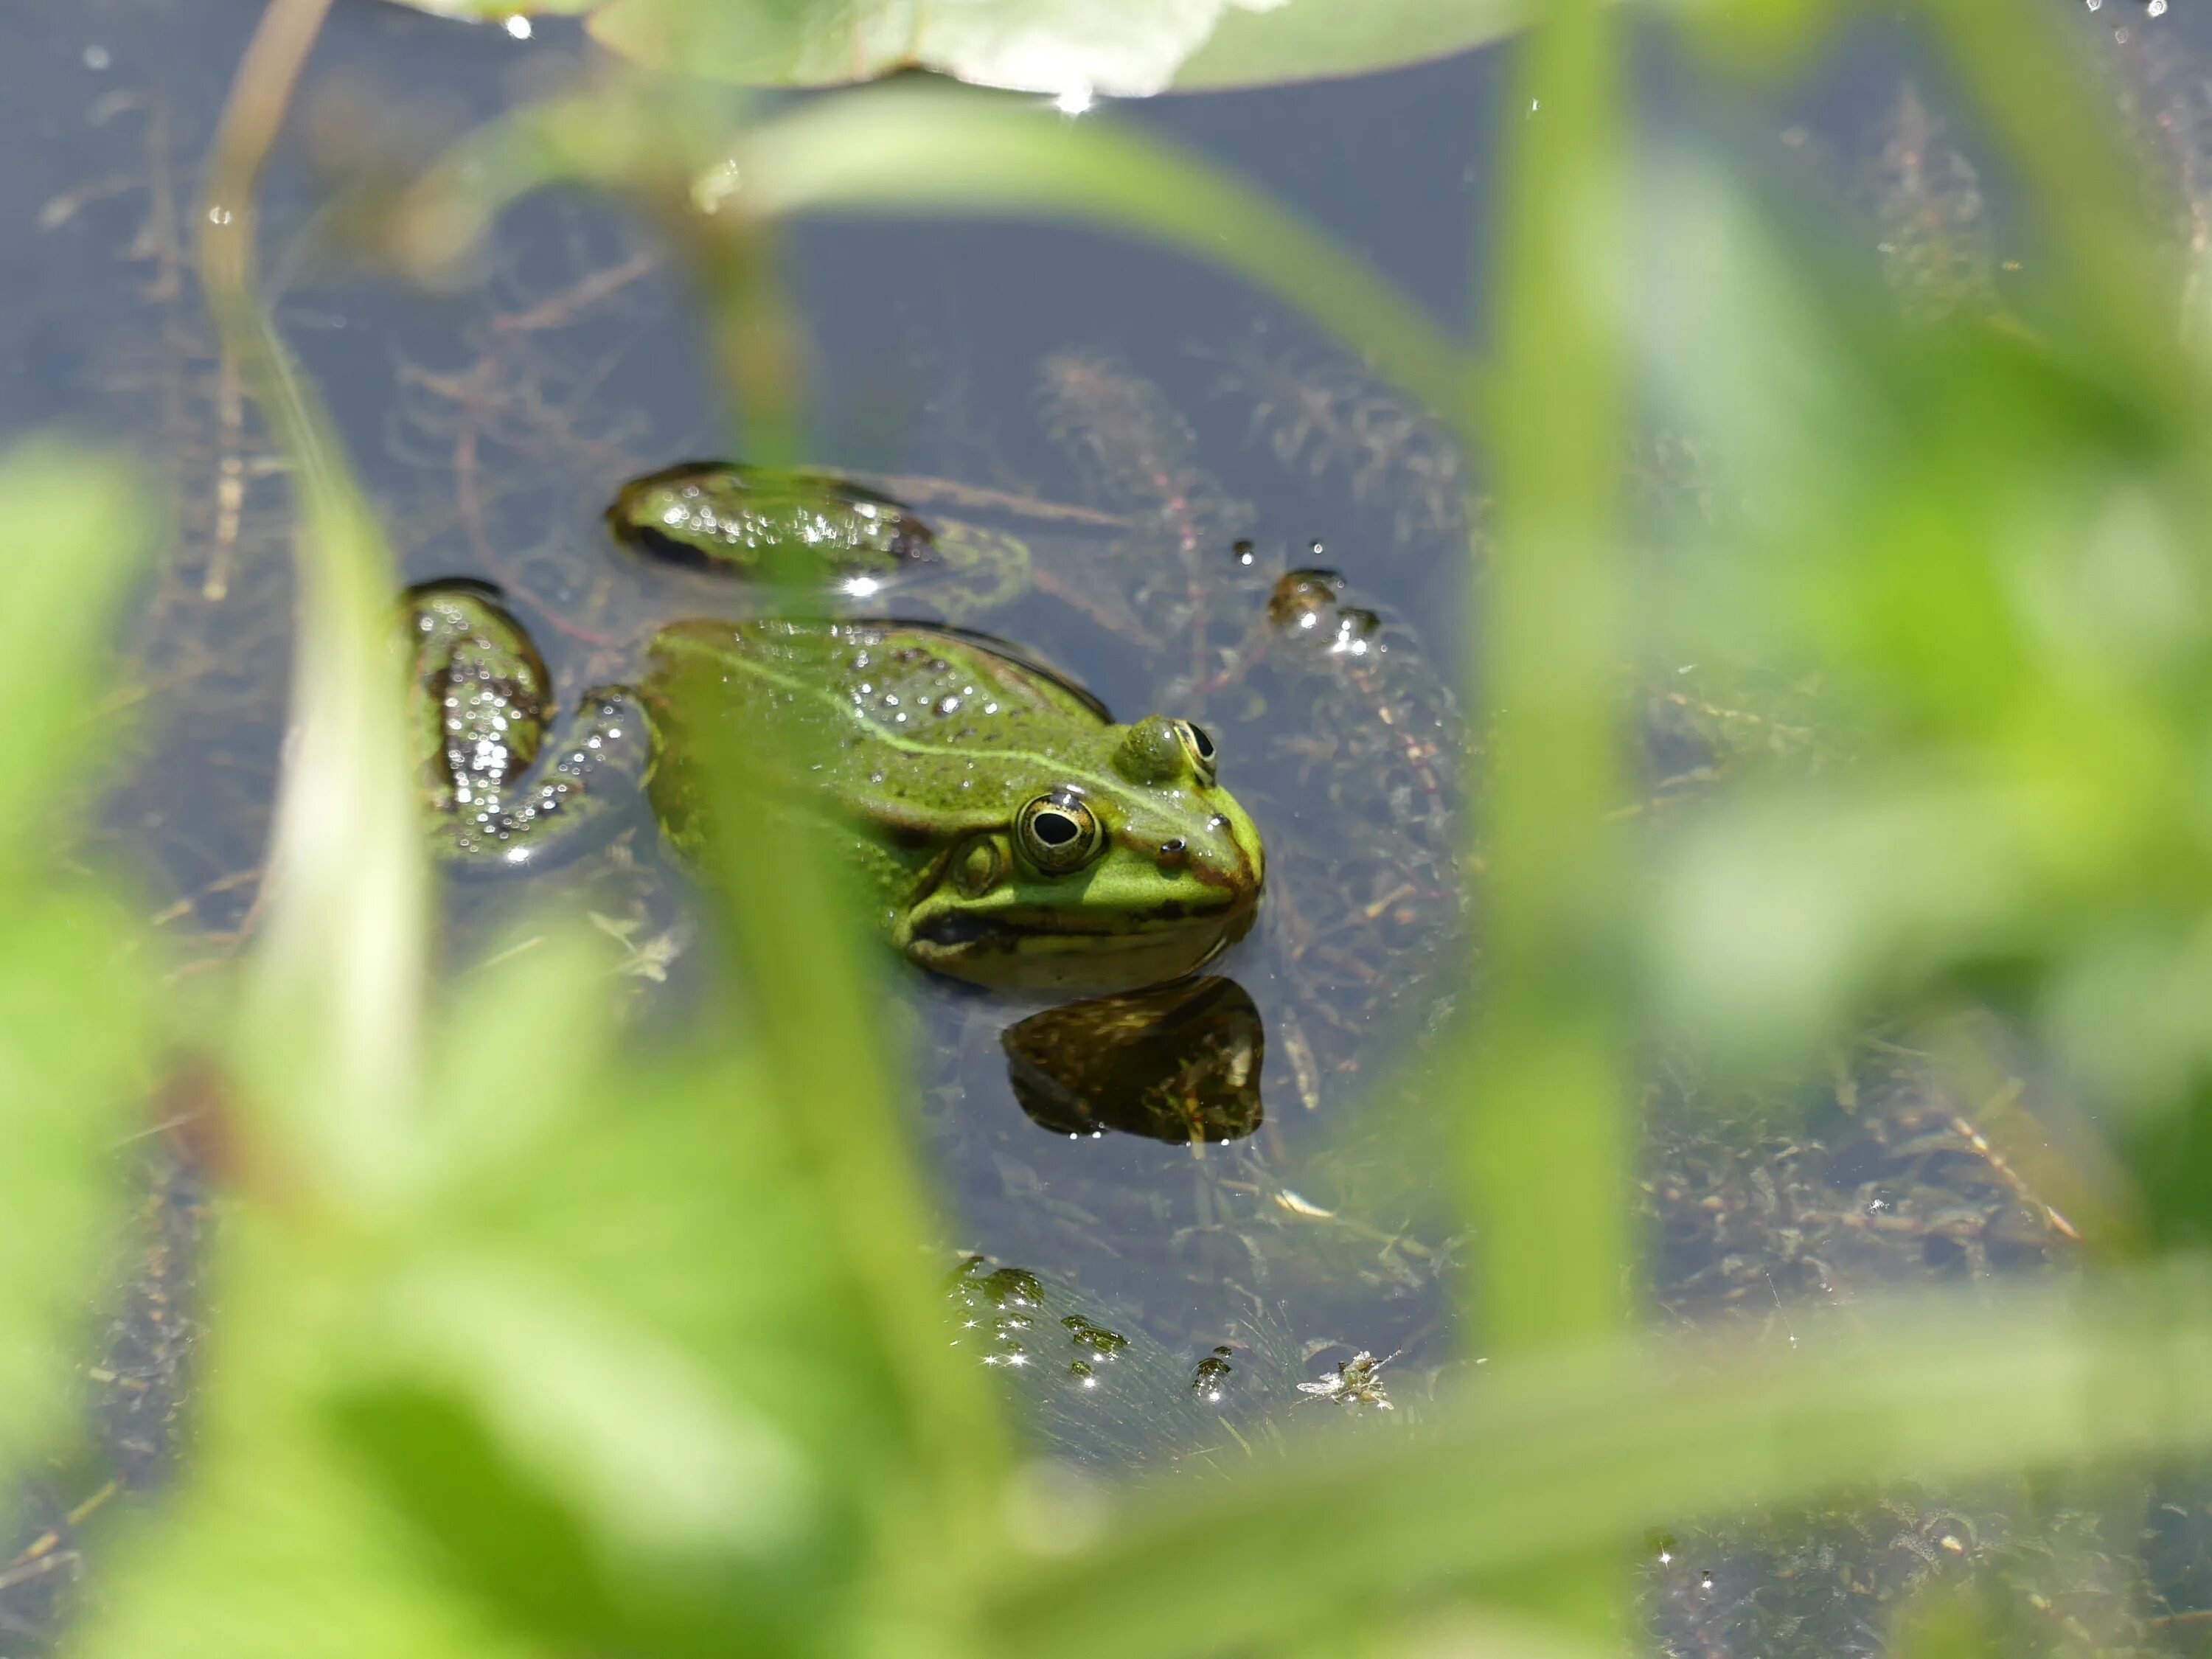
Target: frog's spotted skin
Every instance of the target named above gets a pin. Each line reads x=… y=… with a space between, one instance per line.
x=728 y=520
x=715 y=515
x=480 y=702
x=1011 y=833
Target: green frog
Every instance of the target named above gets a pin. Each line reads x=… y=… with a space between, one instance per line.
x=1010 y=833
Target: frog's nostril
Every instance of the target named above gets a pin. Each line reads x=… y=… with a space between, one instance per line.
x=1175 y=852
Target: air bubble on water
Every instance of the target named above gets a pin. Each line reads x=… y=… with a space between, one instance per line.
x=96 y=57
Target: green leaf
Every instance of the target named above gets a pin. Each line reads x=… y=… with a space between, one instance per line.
x=621 y=1421
x=73 y=532
x=569 y=1464
x=1124 y=48
x=497 y=11
x=281 y=1547
x=74 y=1029
x=76 y=1004
x=1318 y=39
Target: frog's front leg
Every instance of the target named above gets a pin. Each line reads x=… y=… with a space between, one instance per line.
x=496 y=794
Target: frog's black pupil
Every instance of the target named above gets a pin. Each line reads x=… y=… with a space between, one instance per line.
x=1056 y=828
x=1205 y=744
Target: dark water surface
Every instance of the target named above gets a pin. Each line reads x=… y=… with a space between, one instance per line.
x=491 y=425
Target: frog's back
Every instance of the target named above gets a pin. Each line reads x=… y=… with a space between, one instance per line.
x=917 y=728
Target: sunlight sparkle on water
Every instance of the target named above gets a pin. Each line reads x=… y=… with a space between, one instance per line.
x=518 y=27
x=1072 y=100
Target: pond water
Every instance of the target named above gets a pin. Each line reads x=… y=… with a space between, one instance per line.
x=1177 y=414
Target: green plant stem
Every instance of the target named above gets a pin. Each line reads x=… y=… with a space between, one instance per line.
x=1545 y=1137
x=339 y=967
x=800 y=932
x=1543 y=1161
x=1538 y=1459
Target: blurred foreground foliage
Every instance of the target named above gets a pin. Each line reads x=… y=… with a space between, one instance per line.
x=603 y=1346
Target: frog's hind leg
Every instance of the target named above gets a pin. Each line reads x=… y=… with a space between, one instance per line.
x=497 y=794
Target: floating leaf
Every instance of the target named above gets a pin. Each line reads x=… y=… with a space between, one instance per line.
x=1322 y=40
x=1071 y=48
x=498 y=11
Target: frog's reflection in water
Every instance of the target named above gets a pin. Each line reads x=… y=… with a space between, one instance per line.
x=1177 y=1063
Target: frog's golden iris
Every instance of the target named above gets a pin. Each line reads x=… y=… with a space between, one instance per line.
x=1011 y=833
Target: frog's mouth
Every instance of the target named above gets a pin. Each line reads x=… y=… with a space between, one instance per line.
x=1013 y=944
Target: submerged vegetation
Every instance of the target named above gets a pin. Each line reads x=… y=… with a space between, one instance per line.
x=1796 y=1102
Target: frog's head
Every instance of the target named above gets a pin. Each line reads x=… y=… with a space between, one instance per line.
x=1134 y=868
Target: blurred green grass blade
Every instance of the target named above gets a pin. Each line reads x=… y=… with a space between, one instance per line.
x=1545 y=1131
x=1538 y=1459
x=74 y=534
x=1544 y=1164
x=916 y=149
x=339 y=965
x=813 y=984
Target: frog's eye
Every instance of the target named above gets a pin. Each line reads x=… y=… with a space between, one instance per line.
x=1202 y=757
x=1059 y=833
